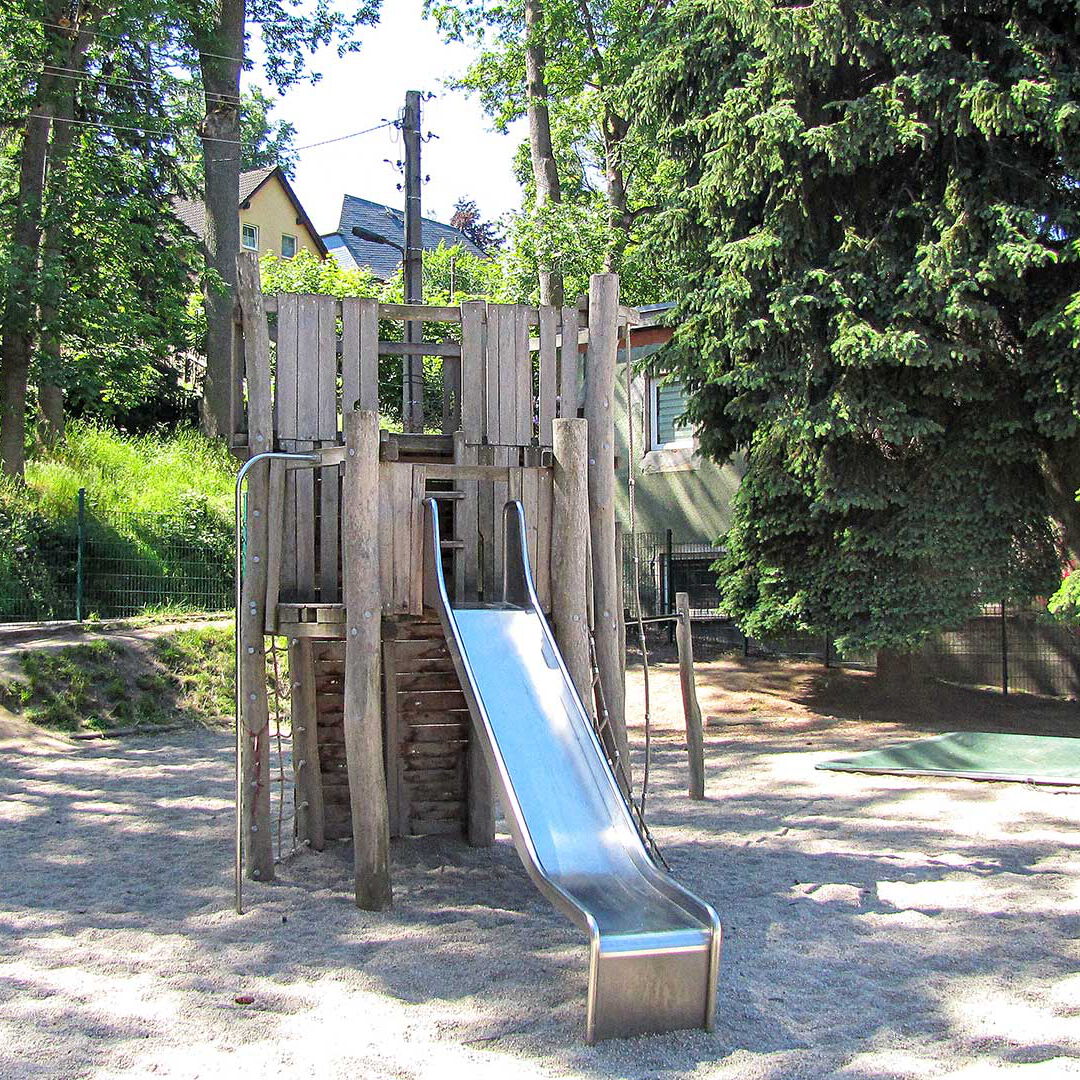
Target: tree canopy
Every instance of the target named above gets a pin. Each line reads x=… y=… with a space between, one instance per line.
x=878 y=234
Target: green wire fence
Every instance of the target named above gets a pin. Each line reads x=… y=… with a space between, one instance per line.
x=115 y=565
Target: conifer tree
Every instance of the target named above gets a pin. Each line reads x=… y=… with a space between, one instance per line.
x=878 y=235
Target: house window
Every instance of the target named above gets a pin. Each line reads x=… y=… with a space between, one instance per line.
x=668 y=403
x=288 y=246
x=249 y=237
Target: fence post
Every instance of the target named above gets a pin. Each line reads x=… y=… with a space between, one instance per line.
x=669 y=599
x=80 y=547
x=1004 y=651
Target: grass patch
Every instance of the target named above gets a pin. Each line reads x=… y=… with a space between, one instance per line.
x=158 y=526
x=185 y=678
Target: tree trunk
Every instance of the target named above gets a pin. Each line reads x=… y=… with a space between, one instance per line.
x=1061 y=472
x=220 y=50
x=18 y=321
x=615 y=132
x=545 y=172
x=50 y=395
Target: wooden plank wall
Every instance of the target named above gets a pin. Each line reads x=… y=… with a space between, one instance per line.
x=511 y=388
x=474 y=563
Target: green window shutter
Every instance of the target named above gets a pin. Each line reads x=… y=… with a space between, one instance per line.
x=670 y=405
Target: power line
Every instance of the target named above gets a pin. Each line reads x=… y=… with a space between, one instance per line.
x=91 y=77
x=122 y=37
x=342 y=138
x=128 y=127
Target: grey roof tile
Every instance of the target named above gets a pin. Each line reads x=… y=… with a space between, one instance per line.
x=387 y=221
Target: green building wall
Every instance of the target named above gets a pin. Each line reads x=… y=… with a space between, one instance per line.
x=679 y=491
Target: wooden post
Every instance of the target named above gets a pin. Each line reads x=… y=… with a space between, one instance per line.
x=255 y=750
x=363 y=622
x=599 y=411
x=310 y=814
x=695 y=745
x=569 y=570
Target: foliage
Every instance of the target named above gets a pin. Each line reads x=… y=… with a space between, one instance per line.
x=486 y=235
x=611 y=176
x=264 y=142
x=878 y=234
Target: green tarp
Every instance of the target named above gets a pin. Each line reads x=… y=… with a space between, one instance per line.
x=977 y=755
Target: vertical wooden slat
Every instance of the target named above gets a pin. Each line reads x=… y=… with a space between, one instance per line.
x=451 y=411
x=255 y=745
x=363 y=641
x=569 y=363
x=492 y=387
x=326 y=423
x=307 y=385
x=288 y=588
x=287 y=360
x=528 y=496
x=416 y=537
x=327 y=431
x=472 y=370
x=350 y=353
x=460 y=527
x=403 y=539
x=305 y=532
x=329 y=525
x=500 y=491
x=310 y=812
x=525 y=404
x=543 y=537
x=275 y=525
x=485 y=526
x=369 y=355
x=507 y=375
x=386 y=534
x=549 y=373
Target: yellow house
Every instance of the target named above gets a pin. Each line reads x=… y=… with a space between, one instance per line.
x=271 y=217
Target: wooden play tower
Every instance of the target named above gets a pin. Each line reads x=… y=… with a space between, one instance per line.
x=333 y=557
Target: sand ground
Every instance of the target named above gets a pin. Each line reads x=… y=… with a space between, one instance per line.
x=874 y=926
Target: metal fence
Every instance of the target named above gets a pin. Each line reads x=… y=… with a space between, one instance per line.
x=667 y=566
x=117 y=564
x=1022 y=649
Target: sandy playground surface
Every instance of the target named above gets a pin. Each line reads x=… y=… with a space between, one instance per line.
x=874 y=926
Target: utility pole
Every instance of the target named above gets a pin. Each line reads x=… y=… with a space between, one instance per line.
x=413 y=373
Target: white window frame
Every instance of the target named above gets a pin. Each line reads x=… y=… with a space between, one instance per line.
x=683 y=441
x=244 y=226
x=295 y=245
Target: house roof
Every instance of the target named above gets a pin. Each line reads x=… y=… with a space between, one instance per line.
x=192 y=212
x=352 y=252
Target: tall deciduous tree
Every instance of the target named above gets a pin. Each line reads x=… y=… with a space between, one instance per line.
x=879 y=239
x=289 y=35
x=564 y=65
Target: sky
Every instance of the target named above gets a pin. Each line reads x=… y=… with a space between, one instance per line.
x=403 y=52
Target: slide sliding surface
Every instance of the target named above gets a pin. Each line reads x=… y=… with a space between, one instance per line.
x=654 y=947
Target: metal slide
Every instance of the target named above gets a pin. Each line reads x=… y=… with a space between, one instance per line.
x=654 y=947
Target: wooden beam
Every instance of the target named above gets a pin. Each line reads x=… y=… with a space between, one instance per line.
x=255 y=746
x=695 y=739
x=419 y=348
x=599 y=411
x=363 y=642
x=310 y=813
x=569 y=573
